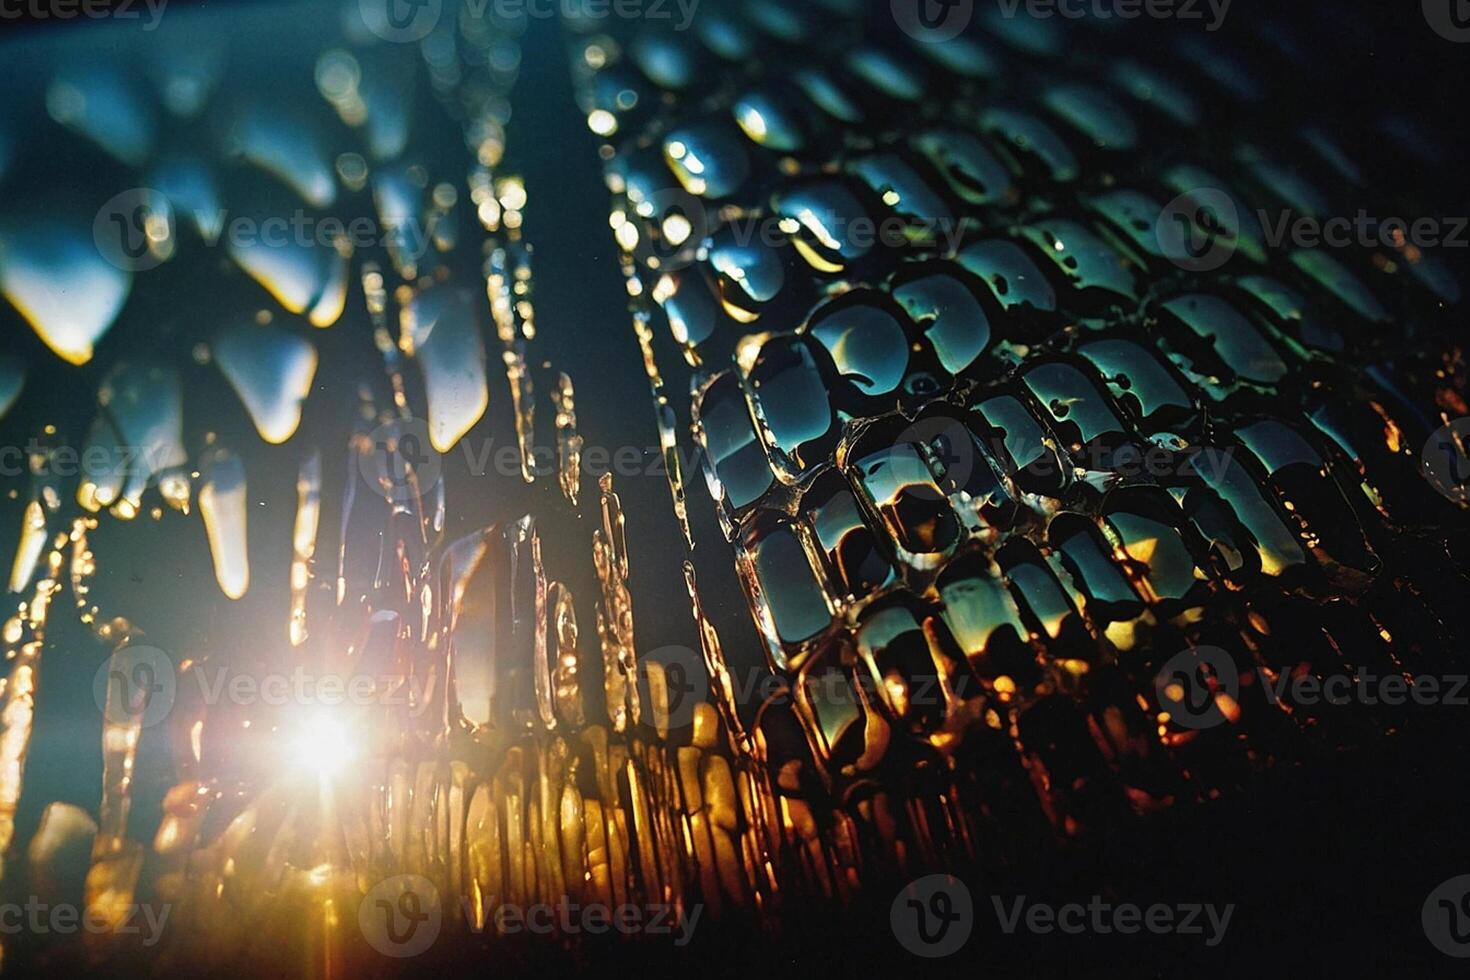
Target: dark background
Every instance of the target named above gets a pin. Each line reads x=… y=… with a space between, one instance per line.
x=1327 y=869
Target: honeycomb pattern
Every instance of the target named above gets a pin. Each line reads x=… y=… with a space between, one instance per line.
x=989 y=444
x=1000 y=440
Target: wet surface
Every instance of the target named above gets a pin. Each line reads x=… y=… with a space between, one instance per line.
x=979 y=455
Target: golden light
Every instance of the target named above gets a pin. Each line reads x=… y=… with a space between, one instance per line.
x=322 y=744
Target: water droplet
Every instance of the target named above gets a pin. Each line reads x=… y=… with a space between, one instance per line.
x=442 y=328
x=222 y=505
x=53 y=274
x=271 y=370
